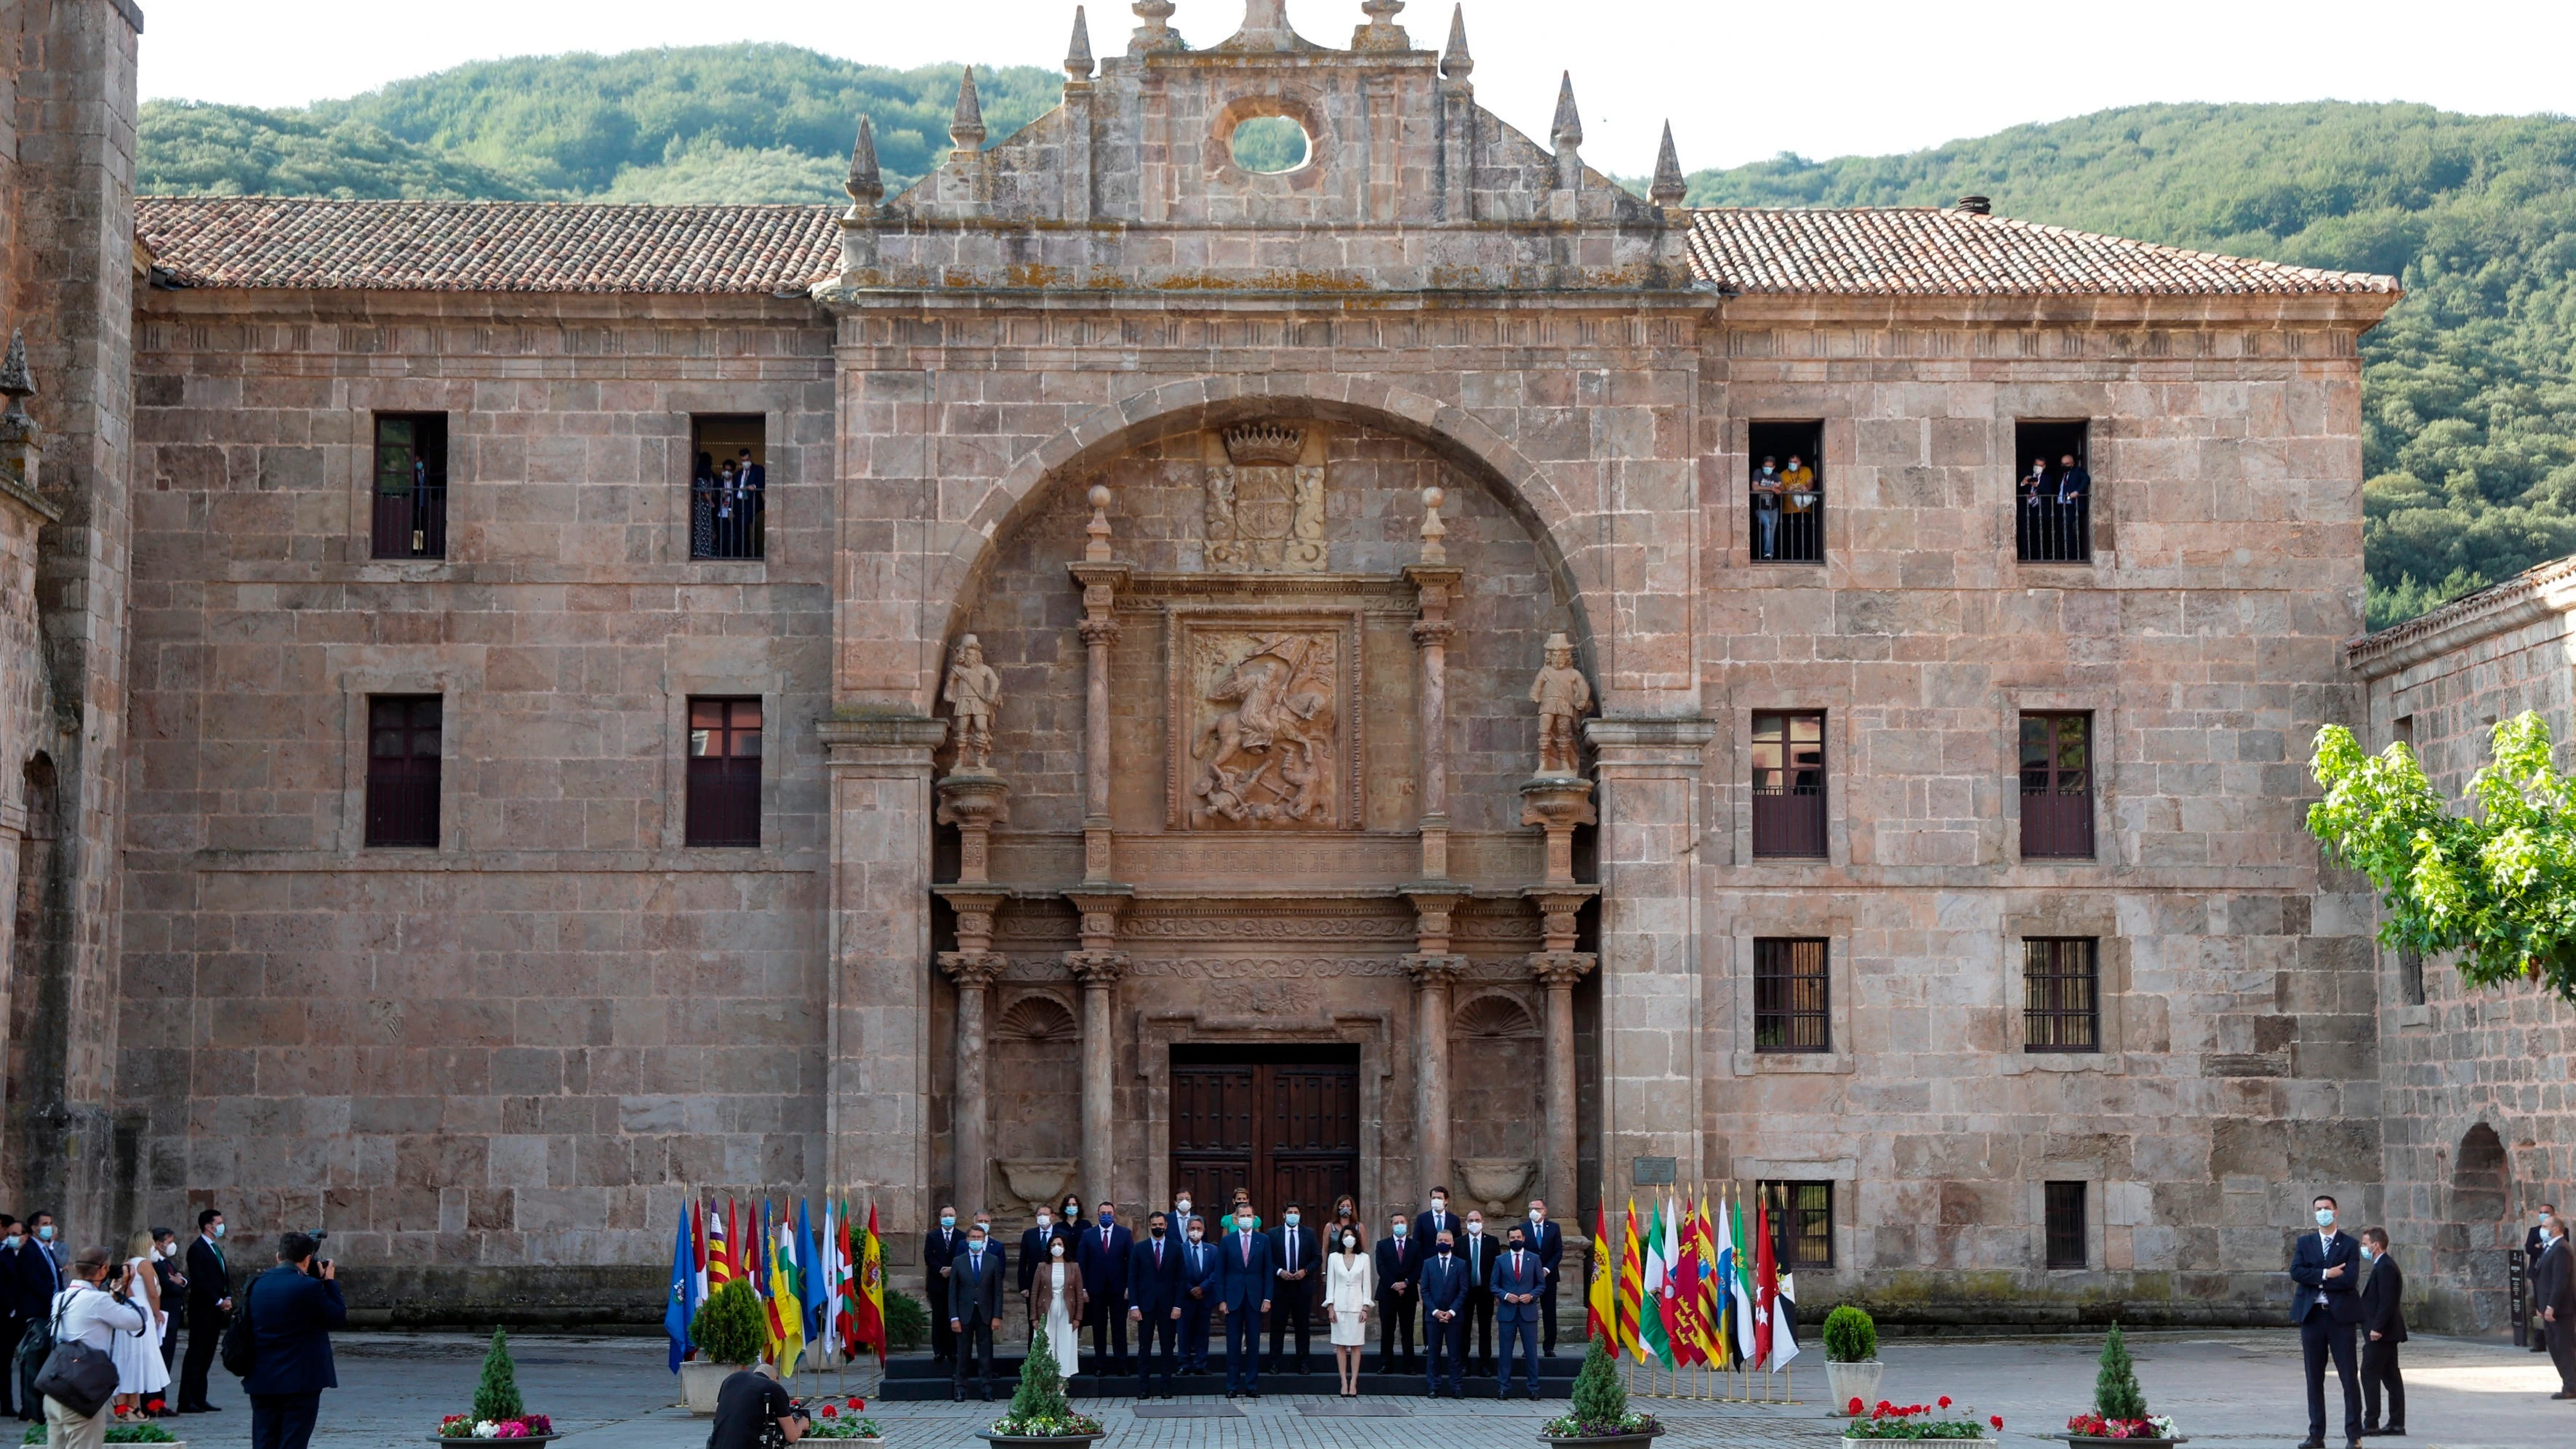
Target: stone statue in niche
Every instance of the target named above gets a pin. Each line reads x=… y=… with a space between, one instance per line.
x=1264 y=509
x=1563 y=697
x=974 y=691
x=1269 y=755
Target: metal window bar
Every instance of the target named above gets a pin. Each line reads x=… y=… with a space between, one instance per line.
x=1789 y=785
x=1788 y=524
x=410 y=518
x=2051 y=528
x=1792 y=997
x=2061 y=995
x=727 y=520
x=402 y=771
x=2056 y=787
x=2066 y=1236
x=724 y=772
x=1802 y=1223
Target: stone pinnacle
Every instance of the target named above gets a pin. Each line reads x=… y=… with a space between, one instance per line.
x=967 y=130
x=1455 y=62
x=1668 y=188
x=866 y=186
x=1568 y=130
x=1077 y=57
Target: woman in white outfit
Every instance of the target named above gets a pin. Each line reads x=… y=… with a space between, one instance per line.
x=1350 y=1293
x=1055 y=1308
x=97 y=1309
x=140 y=1373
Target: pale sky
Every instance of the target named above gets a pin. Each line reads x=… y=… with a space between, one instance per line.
x=1739 y=81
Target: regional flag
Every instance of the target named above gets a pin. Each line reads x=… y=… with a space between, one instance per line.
x=1742 y=1287
x=827 y=1342
x=787 y=1298
x=682 y=1305
x=1632 y=1287
x=1722 y=1291
x=813 y=1287
x=719 y=1252
x=698 y=1246
x=1601 y=1300
x=870 y=1307
x=1766 y=1284
x=1690 y=1285
x=1784 y=1322
x=1652 y=1336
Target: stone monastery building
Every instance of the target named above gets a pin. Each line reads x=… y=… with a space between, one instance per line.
x=1213 y=676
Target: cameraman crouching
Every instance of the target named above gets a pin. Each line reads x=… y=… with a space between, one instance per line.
x=753 y=1411
x=293 y=1307
x=94 y=1309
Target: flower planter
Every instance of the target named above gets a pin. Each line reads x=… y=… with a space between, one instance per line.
x=1851 y=1381
x=700 y=1382
x=1984 y=1436
x=458 y=1439
x=2094 y=1440
x=1040 y=1441
x=1601 y=1441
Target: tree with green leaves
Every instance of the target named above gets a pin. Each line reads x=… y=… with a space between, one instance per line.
x=2116 y=1395
x=497 y=1396
x=2496 y=888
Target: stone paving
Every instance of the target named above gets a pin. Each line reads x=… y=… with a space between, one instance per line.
x=2226 y=1388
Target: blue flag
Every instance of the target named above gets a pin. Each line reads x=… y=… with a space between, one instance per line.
x=683 y=1306
x=809 y=1267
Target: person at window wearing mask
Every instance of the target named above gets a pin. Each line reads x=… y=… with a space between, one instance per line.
x=1399 y=1265
x=1106 y=1246
x=1154 y=1300
x=2554 y=1289
x=1476 y=1328
x=2532 y=1243
x=1033 y=1245
x=974 y=1303
x=1517 y=1281
x=1444 y=1308
x=2073 y=482
x=1547 y=1240
x=1243 y=1255
x=1295 y=1252
x=1202 y=1287
x=2326 y=1268
x=939 y=1249
x=1767 y=488
x=1350 y=1290
x=210 y=1304
x=2383 y=1327
x=1056 y=1301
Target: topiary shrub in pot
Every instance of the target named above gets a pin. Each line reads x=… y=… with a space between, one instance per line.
x=1852 y=1369
x=2119 y=1414
x=1599 y=1417
x=1039 y=1413
x=728 y=1335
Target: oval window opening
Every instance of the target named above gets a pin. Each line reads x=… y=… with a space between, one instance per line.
x=1270 y=144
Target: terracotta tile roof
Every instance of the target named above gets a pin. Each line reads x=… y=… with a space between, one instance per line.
x=1930 y=251
x=477 y=246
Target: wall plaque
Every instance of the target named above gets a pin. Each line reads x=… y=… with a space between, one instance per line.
x=1656 y=1171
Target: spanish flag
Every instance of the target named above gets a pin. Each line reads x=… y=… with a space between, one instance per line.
x=1601 y=1301
x=869 y=1309
x=1632 y=1284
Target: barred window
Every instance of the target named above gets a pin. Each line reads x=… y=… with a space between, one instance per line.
x=2061 y=994
x=724 y=772
x=1791 y=996
x=410 y=518
x=2057 y=786
x=402 y=769
x=1802 y=1223
x=2052 y=492
x=1789 y=783
x=2066 y=1237
x=729 y=486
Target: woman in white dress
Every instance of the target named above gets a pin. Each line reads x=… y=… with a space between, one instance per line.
x=1350 y=1296
x=1055 y=1308
x=140 y=1373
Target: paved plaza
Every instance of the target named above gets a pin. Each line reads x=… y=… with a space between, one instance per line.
x=2230 y=1388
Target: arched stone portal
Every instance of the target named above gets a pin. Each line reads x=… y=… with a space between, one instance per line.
x=2475 y=1233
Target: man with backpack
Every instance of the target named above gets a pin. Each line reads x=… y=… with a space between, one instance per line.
x=287 y=1316
x=90 y=1313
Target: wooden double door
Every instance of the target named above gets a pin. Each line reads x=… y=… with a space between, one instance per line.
x=1281 y=1121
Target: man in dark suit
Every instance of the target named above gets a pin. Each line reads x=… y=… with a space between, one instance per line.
x=1243 y=1256
x=210 y=1303
x=1517 y=1281
x=1399 y=1287
x=1103 y=1250
x=293 y=1308
x=1548 y=1241
x=1434 y=1221
x=13 y=1236
x=2383 y=1327
x=2532 y=1243
x=1444 y=1306
x=1202 y=1288
x=2554 y=1289
x=1154 y=1300
x=939 y=1247
x=2326 y=1304
x=1476 y=1327
x=975 y=1309
x=1295 y=1254
x=35 y=1278
x=1034 y=1244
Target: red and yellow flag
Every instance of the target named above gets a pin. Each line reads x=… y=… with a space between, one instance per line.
x=719 y=1251
x=869 y=1310
x=1689 y=1327
x=1632 y=1283
x=1601 y=1300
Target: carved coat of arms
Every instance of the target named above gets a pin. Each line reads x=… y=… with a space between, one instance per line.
x=1265 y=510
x=1265 y=746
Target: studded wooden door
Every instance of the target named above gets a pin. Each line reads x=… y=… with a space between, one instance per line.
x=1288 y=1129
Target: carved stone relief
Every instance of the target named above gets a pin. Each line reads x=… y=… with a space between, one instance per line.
x=1265 y=509
x=1264 y=713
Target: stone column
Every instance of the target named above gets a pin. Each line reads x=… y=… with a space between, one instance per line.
x=1437 y=587
x=974 y=972
x=1557 y=967
x=1434 y=970
x=1100 y=578
x=1098 y=965
x=1649 y=773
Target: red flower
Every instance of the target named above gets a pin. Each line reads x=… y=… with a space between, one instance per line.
x=1945 y=1401
x=1997 y=1420
x=1854 y=1407
x=1884 y=1406
x=831 y=1413
x=857 y=1403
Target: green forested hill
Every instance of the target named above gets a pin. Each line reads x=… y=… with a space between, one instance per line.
x=2471 y=383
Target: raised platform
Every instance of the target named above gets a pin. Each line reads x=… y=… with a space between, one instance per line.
x=918 y=1377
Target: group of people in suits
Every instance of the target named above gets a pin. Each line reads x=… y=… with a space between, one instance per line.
x=189 y=1288
x=1174 y=1280
x=2344 y=1287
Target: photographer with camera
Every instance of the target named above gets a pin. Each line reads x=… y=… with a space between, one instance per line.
x=97 y=1307
x=292 y=1309
x=753 y=1411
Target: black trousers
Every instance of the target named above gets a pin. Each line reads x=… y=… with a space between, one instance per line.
x=943 y=1339
x=2562 y=1352
x=1158 y=1323
x=2379 y=1371
x=1395 y=1331
x=1547 y=1309
x=973 y=1339
x=12 y=1328
x=1444 y=1344
x=170 y=1341
x=282 y=1421
x=1291 y=1311
x=205 y=1333
x=1476 y=1332
x=1107 y=1315
x=2319 y=1336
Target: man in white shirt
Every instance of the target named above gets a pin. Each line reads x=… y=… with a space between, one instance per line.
x=93 y=1310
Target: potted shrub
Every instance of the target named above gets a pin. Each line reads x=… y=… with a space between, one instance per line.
x=499 y=1416
x=1600 y=1417
x=1852 y=1369
x=1939 y=1420
x=2119 y=1414
x=1039 y=1414
x=728 y=1335
x=842 y=1419
x=907 y=1321
x=126 y=1430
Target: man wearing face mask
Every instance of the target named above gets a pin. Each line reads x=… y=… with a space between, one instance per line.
x=2532 y=1243
x=1444 y=1302
x=1294 y=1255
x=2326 y=1304
x=1546 y=1240
x=210 y=1304
x=1767 y=488
x=2383 y=1327
x=939 y=1249
x=1106 y=1246
x=1154 y=1301
x=1034 y=1244
x=1399 y=1264
x=1517 y=1279
x=2554 y=1289
x=1476 y=1328
x=12 y=1328
x=1202 y=1285
x=1244 y=1256
x=974 y=1303
x=1435 y=1220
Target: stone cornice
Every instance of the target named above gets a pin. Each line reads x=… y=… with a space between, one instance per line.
x=2527 y=597
x=28 y=498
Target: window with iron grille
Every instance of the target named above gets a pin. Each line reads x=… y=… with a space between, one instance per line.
x=411 y=486
x=1802 y=1223
x=2057 y=787
x=1788 y=497
x=1792 y=996
x=724 y=772
x=2061 y=983
x=402 y=769
x=1789 y=784
x=729 y=486
x=2052 y=493
x=2066 y=1246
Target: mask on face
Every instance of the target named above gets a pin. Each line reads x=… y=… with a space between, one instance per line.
x=1399 y=1230
x=1536 y=1216
x=1107 y=1217
x=1350 y=1242
x=948 y=1220
x=1196 y=1235
x=1290 y=1219
x=1055 y=1250
x=1072 y=1210
x=2325 y=1217
x=219 y=1230
x=1183 y=1205
x=1045 y=1221
x=1158 y=1232
x=974 y=1245
x=1440 y=1204
x=1444 y=1250
x=1476 y=1227
x=2368 y=1254
x=45 y=1234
